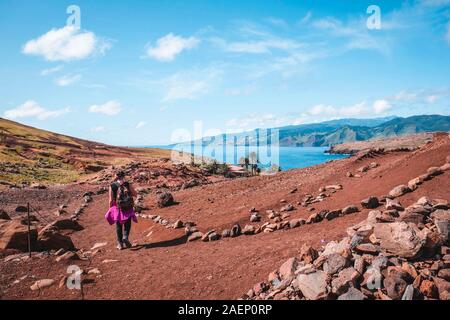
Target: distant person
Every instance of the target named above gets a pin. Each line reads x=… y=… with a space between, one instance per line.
x=121 y=208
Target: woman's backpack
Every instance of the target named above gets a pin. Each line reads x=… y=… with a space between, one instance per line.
x=124 y=197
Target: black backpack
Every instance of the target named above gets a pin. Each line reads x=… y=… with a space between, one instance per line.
x=123 y=196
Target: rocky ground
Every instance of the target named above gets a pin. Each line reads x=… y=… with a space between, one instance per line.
x=216 y=238
x=406 y=143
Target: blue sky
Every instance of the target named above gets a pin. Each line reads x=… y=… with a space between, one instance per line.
x=142 y=72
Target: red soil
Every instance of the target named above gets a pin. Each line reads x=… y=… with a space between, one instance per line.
x=165 y=266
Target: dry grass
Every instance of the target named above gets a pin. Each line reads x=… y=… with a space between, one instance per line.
x=31 y=155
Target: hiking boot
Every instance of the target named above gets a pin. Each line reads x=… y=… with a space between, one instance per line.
x=120 y=246
x=127 y=243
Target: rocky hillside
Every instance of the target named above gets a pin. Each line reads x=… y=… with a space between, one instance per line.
x=405 y=143
x=216 y=239
x=29 y=155
x=349 y=130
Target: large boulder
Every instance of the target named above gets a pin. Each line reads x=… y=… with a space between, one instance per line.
x=4 y=215
x=313 y=285
x=50 y=238
x=400 y=238
x=67 y=224
x=14 y=235
x=165 y=199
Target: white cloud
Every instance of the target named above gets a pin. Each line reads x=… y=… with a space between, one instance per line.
x=405 y=96
x=256 y=120
x=322 y=109
x=432 y=98
x=277 y=22
x=46 y=72
x=257 y=46
x=332 y=111
x=31 y=109
x=98 y=129
x=191 y=84
x=109 y=108
x=66 y=44
x=169 y=46
x=141 y=124
x=67 y=79
x=355 y=33
x=381 y=106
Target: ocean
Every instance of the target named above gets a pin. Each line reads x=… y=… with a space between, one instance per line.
x=286 y=157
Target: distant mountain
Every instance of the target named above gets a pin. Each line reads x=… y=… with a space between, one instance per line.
x=329 y=133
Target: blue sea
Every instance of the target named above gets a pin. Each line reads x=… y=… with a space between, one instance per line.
x=286 y=157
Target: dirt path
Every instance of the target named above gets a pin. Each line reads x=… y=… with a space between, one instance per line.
x=165 y=266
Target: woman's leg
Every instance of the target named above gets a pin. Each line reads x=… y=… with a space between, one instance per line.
x=127 y=227
x=119 y=232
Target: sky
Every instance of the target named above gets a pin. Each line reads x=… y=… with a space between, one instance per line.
x=147 y=72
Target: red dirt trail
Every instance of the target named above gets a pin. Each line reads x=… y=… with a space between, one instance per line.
x=165 y=266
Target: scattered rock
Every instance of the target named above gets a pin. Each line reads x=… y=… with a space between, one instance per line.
x=429 y=289
x=50 y=238
x=41 y=284
x=287 y=207
x=370 y=203
x=248 y=230
x=178 y=224
x=334 y=263
x=226 y=233
x=398 y=191
x=308 y=254
x=345 y=279
x=14 y=235
x=4 y=215
x=288 y=268
x=235 y=231
x=441 y=219
x=98 y=245
x=294 y=223
x=332 y=214
x=350 y=209
x=313 y=285
x=21 y=209
x=255 y=217
x=165 y=199
x=399 y=238
x=396 y=282
x=352 y=294
x=68 y=256
x=434 y=171
x=195 y=236
x=393 y=205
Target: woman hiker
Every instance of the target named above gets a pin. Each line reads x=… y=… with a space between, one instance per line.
x=121 y=208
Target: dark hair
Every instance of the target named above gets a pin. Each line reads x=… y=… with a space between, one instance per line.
x=120 y=174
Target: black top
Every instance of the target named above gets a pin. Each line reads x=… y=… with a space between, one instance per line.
x=115 y=187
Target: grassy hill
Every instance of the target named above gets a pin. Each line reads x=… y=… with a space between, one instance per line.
x=29 y=154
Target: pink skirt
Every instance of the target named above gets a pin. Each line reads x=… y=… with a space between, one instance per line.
x=115 y=215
